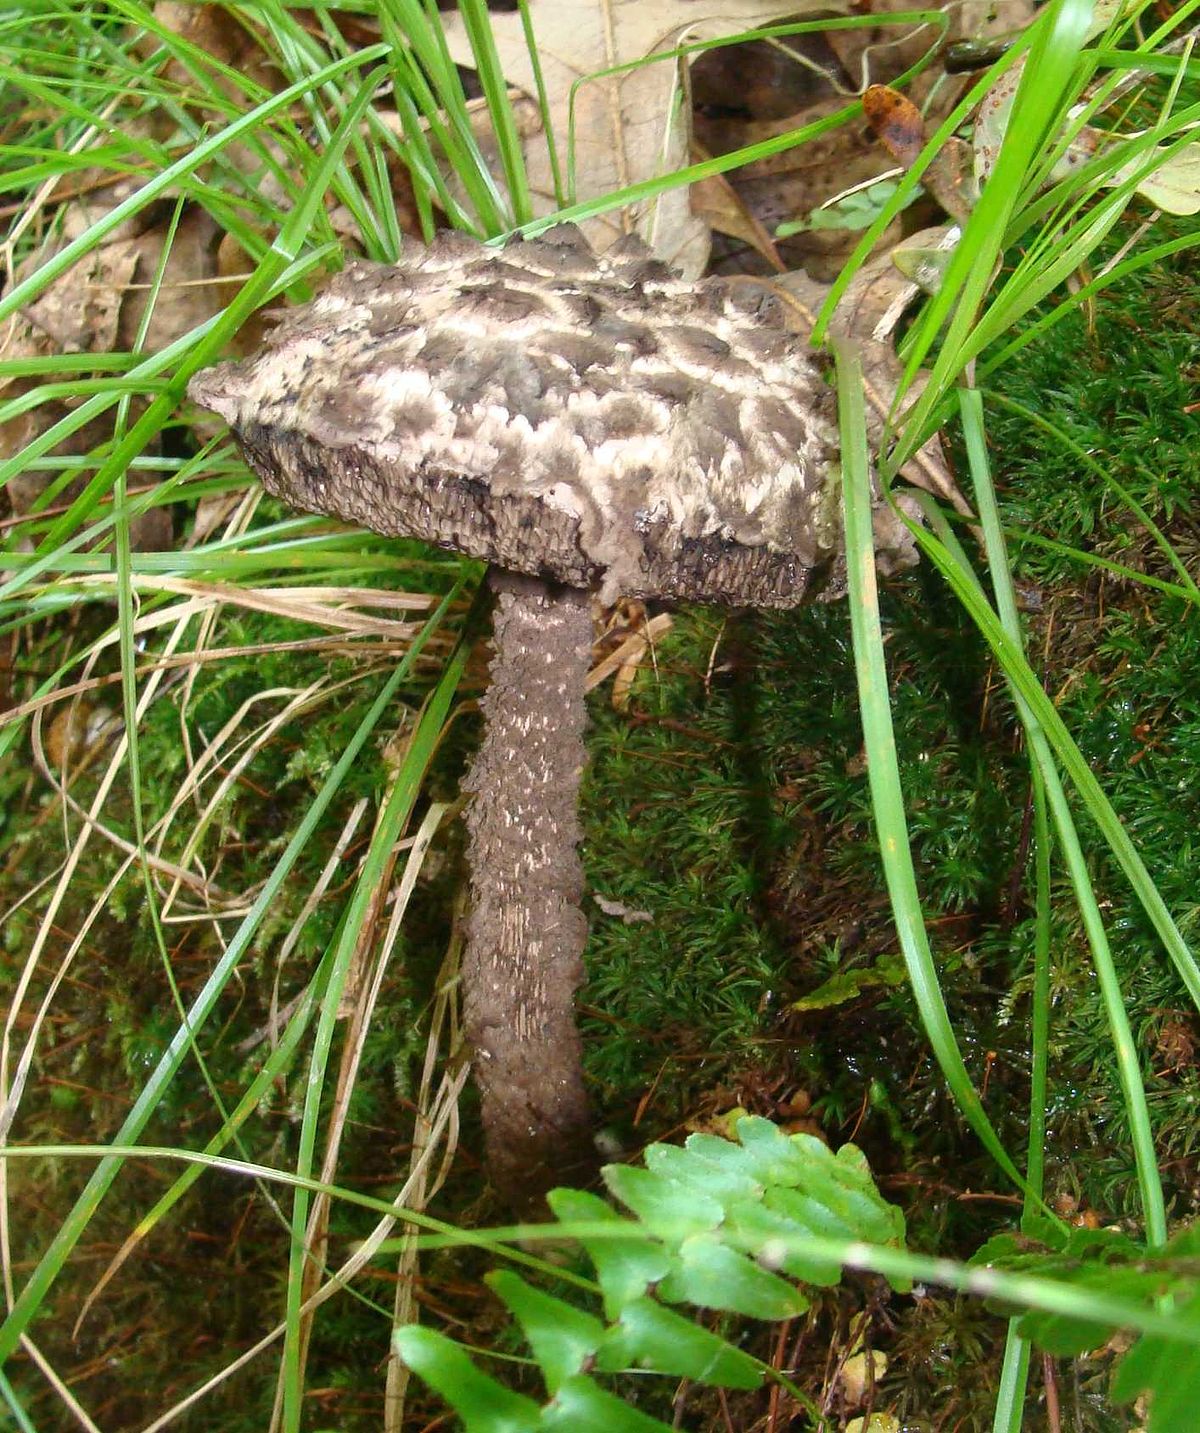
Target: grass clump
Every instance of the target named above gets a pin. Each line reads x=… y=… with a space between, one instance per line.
x=263 y=830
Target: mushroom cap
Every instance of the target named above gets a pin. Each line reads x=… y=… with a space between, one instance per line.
x=594 y=421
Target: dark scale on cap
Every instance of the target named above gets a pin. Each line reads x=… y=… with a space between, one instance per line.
x=720 y=415
x=696 y=344
x=580 y=350
x=497 y=302
x=627 y=414
x=671 y=388
x=563 y=251
x=600 y=422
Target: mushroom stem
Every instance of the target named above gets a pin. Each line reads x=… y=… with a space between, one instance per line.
x=524 y=951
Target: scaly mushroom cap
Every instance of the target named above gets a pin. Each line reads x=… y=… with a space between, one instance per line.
x=596 y=421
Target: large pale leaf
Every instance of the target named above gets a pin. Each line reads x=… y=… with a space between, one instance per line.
x=628 y=126
x=1174 y=186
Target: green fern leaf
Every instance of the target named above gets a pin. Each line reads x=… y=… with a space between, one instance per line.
x=1166 y=1369
x=484 y=1405
x=564 y=1339
x=710 y=1274
x=717 y=1224
x=1108 y=1262
x=649 y=1336
x=694 y=1168
x=668 y=1209
x=762 y=1196
x=582 y=1406
x=625 y=1268
x=772 y=1235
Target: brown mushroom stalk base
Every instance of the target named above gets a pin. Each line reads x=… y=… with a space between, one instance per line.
x=524 y=953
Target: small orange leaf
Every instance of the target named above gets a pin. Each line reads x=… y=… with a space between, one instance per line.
x=897 y=122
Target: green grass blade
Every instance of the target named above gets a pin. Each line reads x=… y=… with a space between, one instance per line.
x=21 y=1419
x=428 y=81
x=1014 y=1377
x=1124 y=1044
x=543 y=101
x=883 y=771
x=1039 y=1041
x=28 y=289
x=1016 y=668
x=478 y=25
x=254 y=292
x=1083 y=295
x=1051 y=69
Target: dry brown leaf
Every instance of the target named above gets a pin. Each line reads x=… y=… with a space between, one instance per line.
x=896 y=121
x=216 y=31
x=791 y=185
x=718 y=204
x=900 y=128
x=211 y=515
x=81 y=313
x=188 y=293
x=829 y=70
x=629 y=655
x=869 y=56
x=629 y=126
x=99 y=306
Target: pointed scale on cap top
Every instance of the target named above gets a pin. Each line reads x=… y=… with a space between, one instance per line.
x=591 y=420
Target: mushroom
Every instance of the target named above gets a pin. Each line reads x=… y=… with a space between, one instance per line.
x=589 y=425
